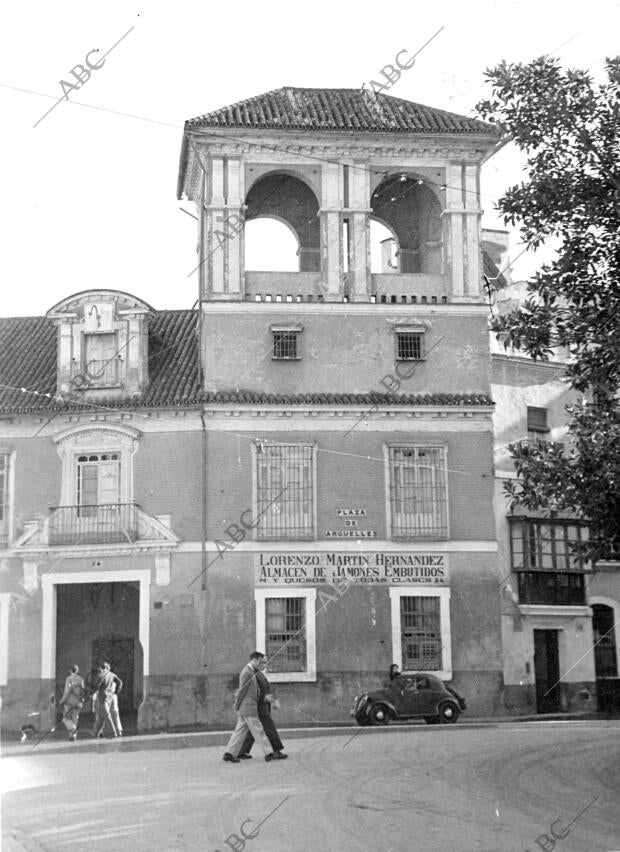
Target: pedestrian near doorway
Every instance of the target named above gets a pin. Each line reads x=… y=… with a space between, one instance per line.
x=108 y=686
x=246 y=707
x=72 y=701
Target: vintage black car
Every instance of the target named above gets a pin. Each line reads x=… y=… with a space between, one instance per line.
x=408 y=697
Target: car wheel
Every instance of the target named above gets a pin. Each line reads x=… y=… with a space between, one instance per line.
x=362 y=720
x=431 y=720
x=448 y=713
x=379 y=714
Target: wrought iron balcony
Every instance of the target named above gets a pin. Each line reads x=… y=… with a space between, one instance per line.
x=107 y=523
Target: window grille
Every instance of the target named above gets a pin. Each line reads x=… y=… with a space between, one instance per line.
x=286 y=345
x=409 y=345
x=418 y=492
x=285 y=634
x=420 y=630
x=285 y=500
x=537 y=419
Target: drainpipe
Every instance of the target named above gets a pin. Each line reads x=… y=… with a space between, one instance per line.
x=203 y=532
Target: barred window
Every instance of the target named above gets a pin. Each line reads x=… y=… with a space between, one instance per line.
x=285 y=634
x=418 y=498
x=286 y=345
x=4 y=496
x=285 y=491
x=409 y=345
x=420 y=631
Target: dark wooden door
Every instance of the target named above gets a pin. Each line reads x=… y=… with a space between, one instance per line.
x=120 y=654
x=547 y=670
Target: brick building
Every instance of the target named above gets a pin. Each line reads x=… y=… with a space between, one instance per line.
x=304 y=464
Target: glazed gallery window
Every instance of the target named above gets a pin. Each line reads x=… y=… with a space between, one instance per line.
x=417 y=492
x=5 y=460
x=421 y=630
x=285 y=630
x=284 y=480
x=548 y=569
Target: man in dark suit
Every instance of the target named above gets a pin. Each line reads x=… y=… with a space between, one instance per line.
x=246 y=706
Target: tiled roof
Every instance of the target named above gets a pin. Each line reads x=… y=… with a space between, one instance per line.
x=349 y=110
x=28 y=360
x=370 y=399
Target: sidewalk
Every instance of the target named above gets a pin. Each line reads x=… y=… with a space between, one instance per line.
x=207 y=737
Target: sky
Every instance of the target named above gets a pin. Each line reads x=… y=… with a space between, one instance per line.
x=89 y=193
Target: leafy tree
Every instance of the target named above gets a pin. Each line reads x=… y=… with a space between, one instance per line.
x=568 y=127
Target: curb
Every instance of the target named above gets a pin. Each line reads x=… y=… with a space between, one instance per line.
x=201 y=739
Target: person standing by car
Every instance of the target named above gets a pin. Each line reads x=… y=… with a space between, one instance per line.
x=394 y=671
x=72 y=701
x=265 y=703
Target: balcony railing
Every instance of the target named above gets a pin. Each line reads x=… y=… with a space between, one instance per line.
x=552 y=588
x=99 y=373
x=108 y=523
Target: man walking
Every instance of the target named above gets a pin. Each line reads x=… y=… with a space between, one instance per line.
x=108 y=684
x=265 y=702
x=72 y=701
x=246 y=705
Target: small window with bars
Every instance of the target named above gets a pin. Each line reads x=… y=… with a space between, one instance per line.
x=537 y=420
x=285 y=491
x=286 y=344
x=409 y=345
x=418 y=498
x=420 y=632
x=285 y=634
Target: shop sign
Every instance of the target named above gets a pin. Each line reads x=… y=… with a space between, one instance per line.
x=373 y=567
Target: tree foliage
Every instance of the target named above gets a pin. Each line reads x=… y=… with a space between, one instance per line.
x=568 y=127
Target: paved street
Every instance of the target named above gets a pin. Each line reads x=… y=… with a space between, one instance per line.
x=475 y=789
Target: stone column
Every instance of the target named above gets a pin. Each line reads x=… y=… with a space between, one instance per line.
x=214 y=231
x=453 y=230
x=359 y=232
x=234 y=245
x=473 y=214
x=331 y=230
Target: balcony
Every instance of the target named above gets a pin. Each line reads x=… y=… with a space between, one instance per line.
x=283 y=286
x=551 y=588
x=409 y=287
x=108 y=523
